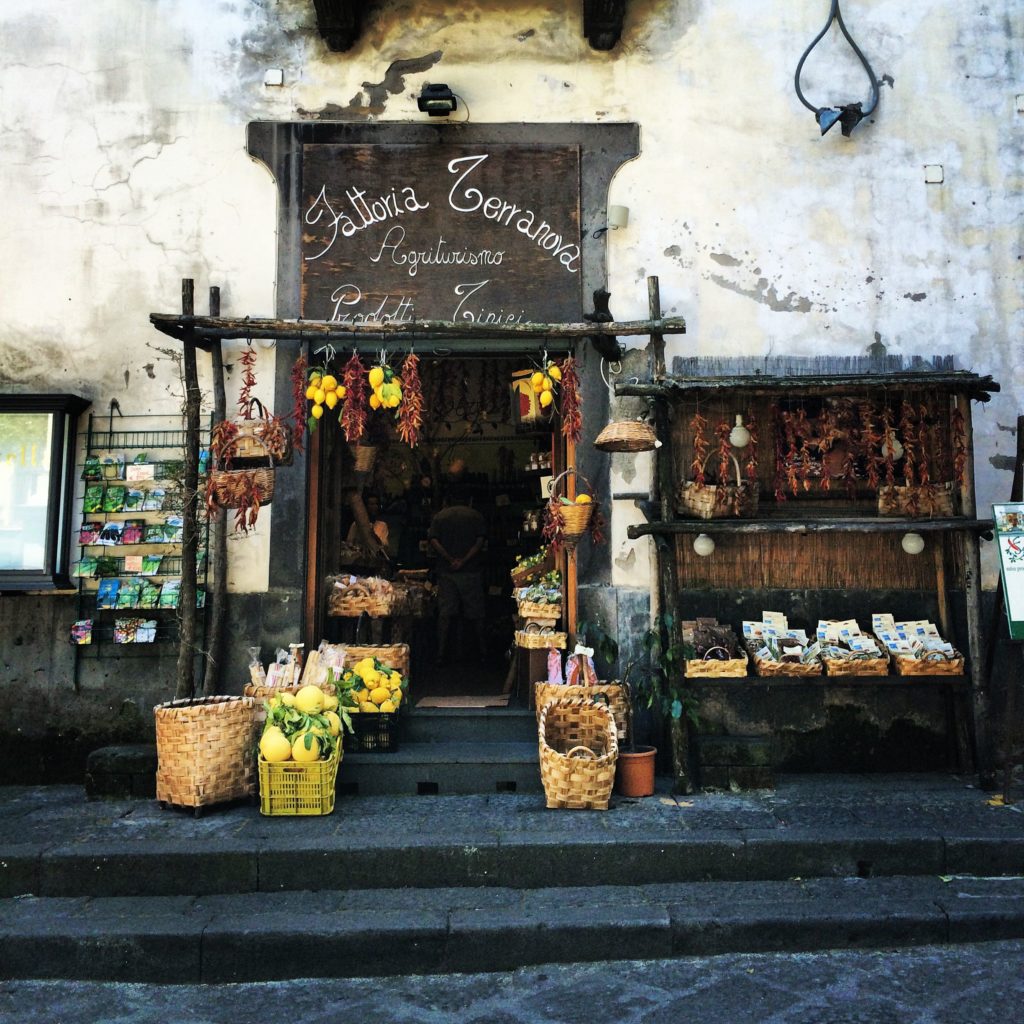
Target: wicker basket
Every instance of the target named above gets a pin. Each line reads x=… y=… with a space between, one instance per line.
x=614 y=693
x=856 y=666
x=627 y=436
x=540 y=638
x=342 y=603
x=717 y=668
x=578 y=752
x=906 y=666
x=767 y=667
x=933 y=500
x=287 y=787
x=523 y=577
x=534 y=610
x=392 y=655
x=204 y=751
x=719 y=500
x=576 y=518
x=259 y=436
x=364 y=456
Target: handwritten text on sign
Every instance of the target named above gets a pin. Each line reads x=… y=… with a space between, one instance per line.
x=411 y=232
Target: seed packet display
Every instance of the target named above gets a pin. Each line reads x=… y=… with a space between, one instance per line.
x=93 y=499
x=145 y=631
x=112 y=467
x=110 y=534
x=85 y=568
x=89 y=533
x=173 y=528
x=149 y=594
x=113 y=498
x=125 y=630
x=106 y=595
x=151 y=565
x=136 y=471
x=132 y=564
x=81 y=632
x=133 y=531
x=153 y=500
x=106 y=565
x=133 y=499
x=128 y=595
x=200 y=598
x=91 y=470
x=169 y=594
x=174 y=500
x=154 y=533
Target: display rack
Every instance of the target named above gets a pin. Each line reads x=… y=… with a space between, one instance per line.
x=130 y=542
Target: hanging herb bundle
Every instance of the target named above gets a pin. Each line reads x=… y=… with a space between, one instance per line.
x=353 y=414
x=751 y=464
x=700 y=447
x=956 y=420
x=410 y=414
x=248 y=362
x=870 y=440
x=908 y=430
x=298 y=379
x=792 y=457
x=572 y=406
x=722 y=491
x=802 y=434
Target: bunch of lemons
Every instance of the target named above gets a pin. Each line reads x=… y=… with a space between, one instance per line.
x=303 y=726
x=371 y=687
x=324 y=390
x=386 y=387
x=545 y=382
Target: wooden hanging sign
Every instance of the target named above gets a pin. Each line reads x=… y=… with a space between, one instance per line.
x=479 y=234
x=1010 y=538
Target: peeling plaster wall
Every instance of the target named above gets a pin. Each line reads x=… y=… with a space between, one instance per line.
x=124 y=169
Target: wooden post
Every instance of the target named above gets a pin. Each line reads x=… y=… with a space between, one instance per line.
x=657 y=354
x=218 y=535
x=980 y=724
x=186 y=681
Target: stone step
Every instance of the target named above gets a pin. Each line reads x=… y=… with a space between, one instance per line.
x=394 y=931
x=443 y=769
x=469 y=725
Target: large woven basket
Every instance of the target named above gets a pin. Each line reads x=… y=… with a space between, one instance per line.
x=933 y=500
x=578 y=752
x=627 y=436
x=720 y=500
x=535 y=610
x=204 y=751
x=352 y=607
x=233 y=488
x=856 y=666
x=392 y=655
x=906 y=666
x=539 y=638
x=614 y=695
x=767 y=667
x=716 y=668
x=259 y=436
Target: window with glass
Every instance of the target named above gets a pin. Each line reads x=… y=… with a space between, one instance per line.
x=37 y=434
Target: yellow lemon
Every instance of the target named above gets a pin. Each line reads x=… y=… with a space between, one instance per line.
x=316 y=412
x=306 y=747
x=376 y=376
x=381 y=693
x=538 y=389
x=537 y=380
x=374 y=401
x=362 y=695
x=319 y=395
x=311 y=391
x=314 y=378
x=333 y=721
x=329 y=383
x=583 y=499
x=371 y=677
x=395 y=679
x=369 y=707
x=554 y=372
x=287 y=699
x=274 y=745
x=363 y=663
x=396 y=697
x=388 y=707
x=310 y=700
x=330 y=703
x=393 y=402
x=545 y=399
x=331 y=399
x=546 y=384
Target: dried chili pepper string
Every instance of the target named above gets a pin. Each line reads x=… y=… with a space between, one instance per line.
x=751 y=464
x=298 y=379
x=780 y=469
x=410 y=413
x=723 y=489
x=248 y=362
x=572 y=406
x=353 y=412
x=700 y=447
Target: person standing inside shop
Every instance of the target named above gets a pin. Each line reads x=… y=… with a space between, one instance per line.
x=458 y=534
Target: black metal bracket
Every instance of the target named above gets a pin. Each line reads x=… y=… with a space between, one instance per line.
x=604 y=344
x=849 y=115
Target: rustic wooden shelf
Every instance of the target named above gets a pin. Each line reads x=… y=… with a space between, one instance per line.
x=829 y=682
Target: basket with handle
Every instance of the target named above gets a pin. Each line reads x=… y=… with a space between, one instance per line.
x=936 y=664
x=537 y=610
x=613 y=694
x=575 y=516
x=716 y=668
x=236 y=488
x=627 y=436
x=533 y=637
x=523 y=576
x=718 y=500
x=578 y=752
x=262 y=435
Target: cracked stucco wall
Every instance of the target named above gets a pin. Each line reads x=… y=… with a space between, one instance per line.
x=124 y=170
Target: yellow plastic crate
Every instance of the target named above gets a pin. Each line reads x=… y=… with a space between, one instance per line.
x=287 y=787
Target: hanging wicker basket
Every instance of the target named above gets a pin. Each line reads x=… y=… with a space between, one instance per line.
x=720 y=500
x=576 y=517
x=263 y=435
x=627 y=436
x=236 y=488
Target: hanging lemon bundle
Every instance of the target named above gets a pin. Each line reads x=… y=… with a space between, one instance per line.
x=324 y=392
x=545 y=384
x=386 y=387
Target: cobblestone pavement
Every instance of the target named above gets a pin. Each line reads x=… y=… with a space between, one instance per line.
x=925 y=985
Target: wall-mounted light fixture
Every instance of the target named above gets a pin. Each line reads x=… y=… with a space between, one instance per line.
x=437 y=100
x=618 y=217
x=739 y=436
x=849 y=115
x=912 y=543
x=703 y=545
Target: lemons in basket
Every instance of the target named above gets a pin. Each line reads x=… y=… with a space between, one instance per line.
x=274 y=745
x=388 y=706
x=286 y=698
x=583 y=499
x=330 y=702
x=306 y=747
x=396 y=698
x=369 y=707
x=380 y=693
x=333 y=721
x=310 y=700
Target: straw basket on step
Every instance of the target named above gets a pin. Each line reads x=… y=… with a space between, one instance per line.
x=719 y=500
x=204 y=751
x=612 y=694
x=627 y=436
x=578 y=752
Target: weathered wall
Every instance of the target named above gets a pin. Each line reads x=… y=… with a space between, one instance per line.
x=124 y=169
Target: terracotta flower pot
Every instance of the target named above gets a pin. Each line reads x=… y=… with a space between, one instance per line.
x=634 y=772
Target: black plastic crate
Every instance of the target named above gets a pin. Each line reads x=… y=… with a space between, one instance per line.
x=375 y=733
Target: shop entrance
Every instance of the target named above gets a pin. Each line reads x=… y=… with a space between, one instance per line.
x=482 y=447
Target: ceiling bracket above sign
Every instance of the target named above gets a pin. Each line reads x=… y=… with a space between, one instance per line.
x=340 y=22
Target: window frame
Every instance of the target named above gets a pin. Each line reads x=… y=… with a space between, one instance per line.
x=55 y=572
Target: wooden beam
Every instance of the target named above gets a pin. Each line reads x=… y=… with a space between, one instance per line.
x=968 y=525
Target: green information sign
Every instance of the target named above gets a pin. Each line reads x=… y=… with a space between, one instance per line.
x=1010 y=538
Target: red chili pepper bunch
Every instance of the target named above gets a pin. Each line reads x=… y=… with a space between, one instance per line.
x=780 y=458
x=353 y=413
x=699 y=424
x=888 y=449
x=553 y=525
x=298 y=379
x=908 y=428
x=248 y=362
x=724 y=458
x=410 y=413
x=572 y=405
x=956 y=420
x=870 y=441
x=750 y=467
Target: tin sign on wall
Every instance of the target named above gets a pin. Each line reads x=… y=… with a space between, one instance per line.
x=1010 y=538
x=487 y=234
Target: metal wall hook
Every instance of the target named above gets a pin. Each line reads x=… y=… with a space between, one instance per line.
x=849 y=115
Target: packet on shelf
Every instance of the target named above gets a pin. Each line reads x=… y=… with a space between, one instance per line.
x=916 y=638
